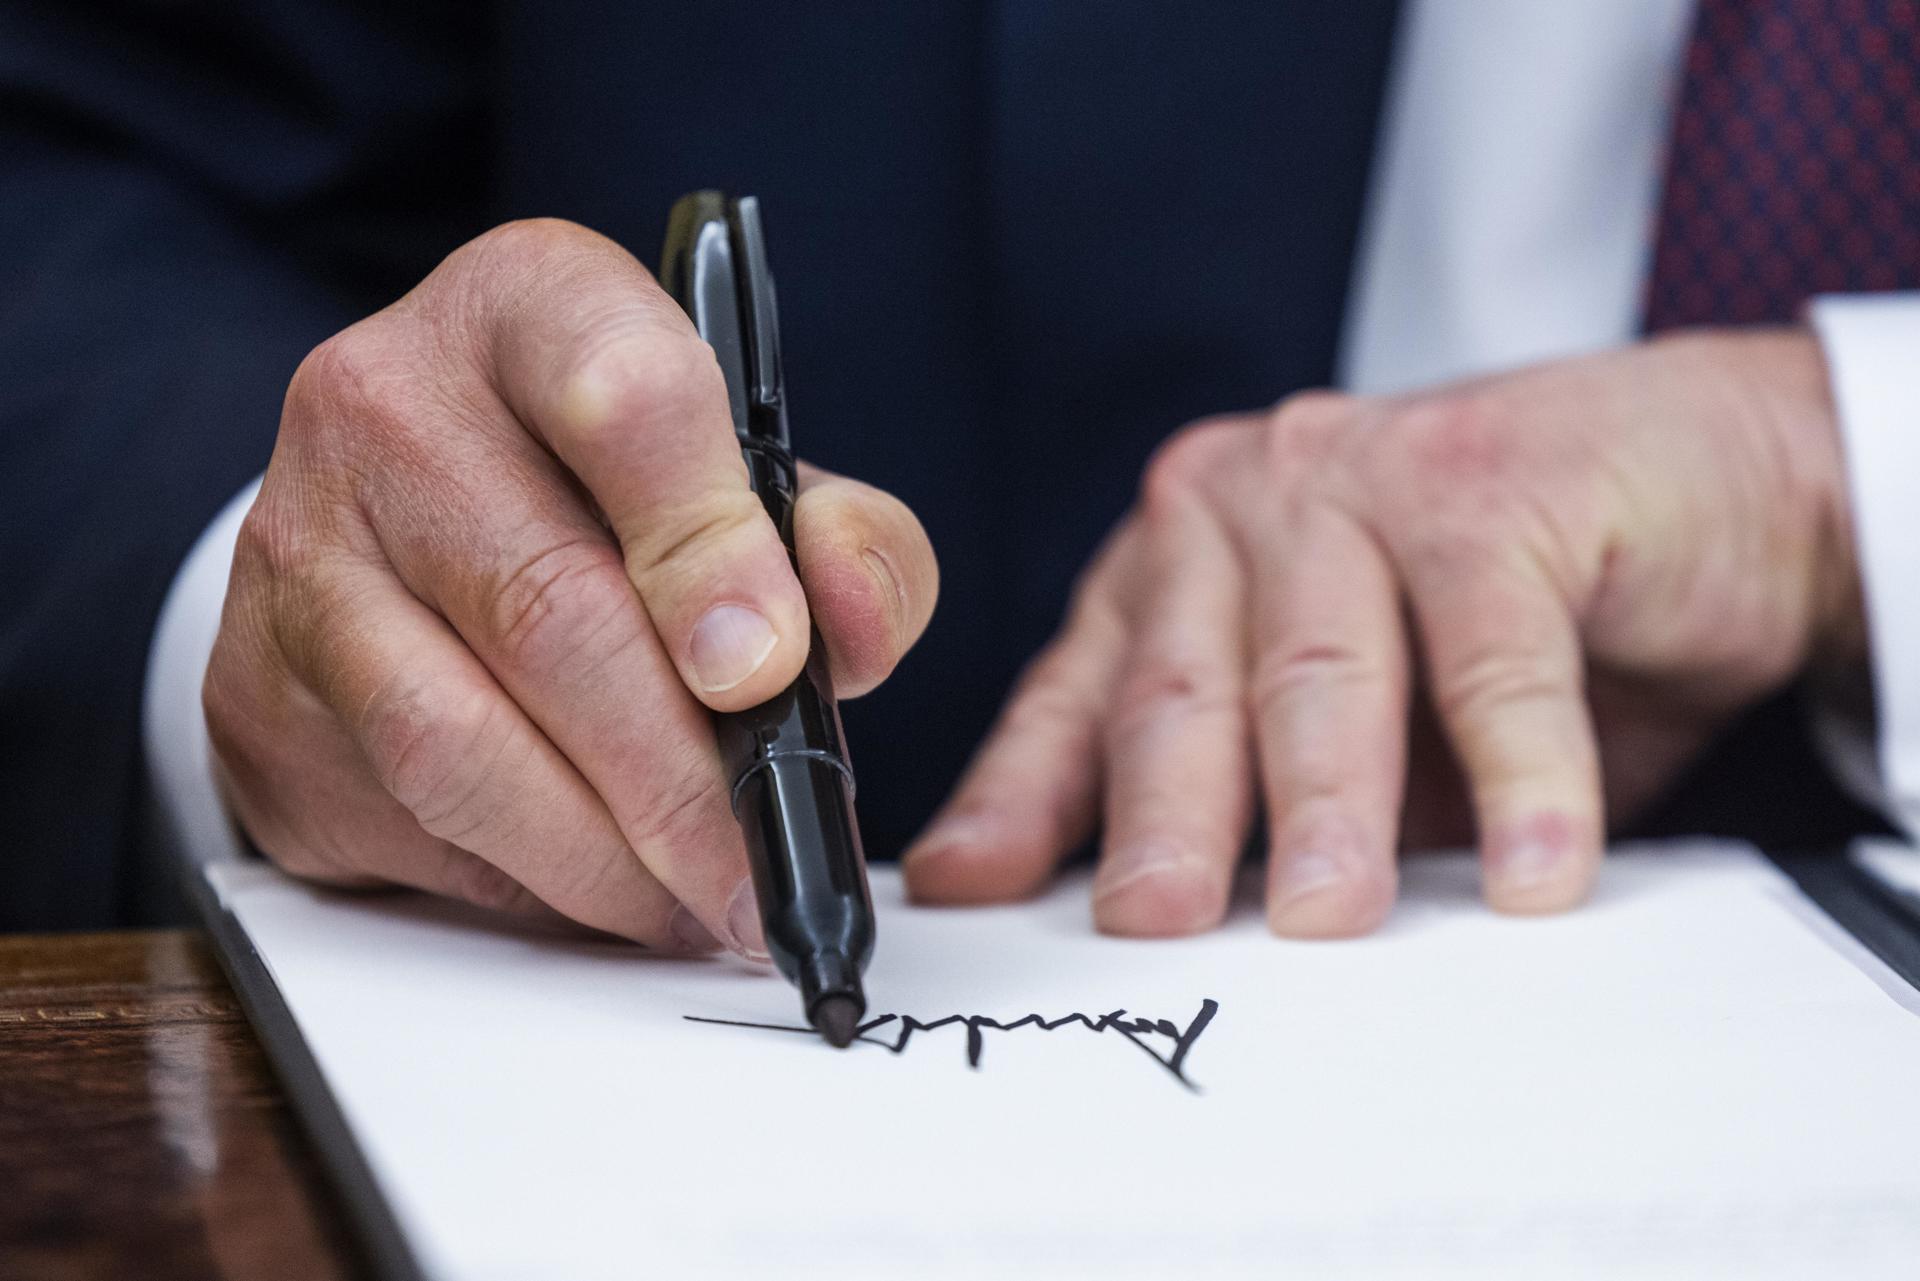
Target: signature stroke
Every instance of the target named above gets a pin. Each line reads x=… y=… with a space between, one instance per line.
x=893 y=1032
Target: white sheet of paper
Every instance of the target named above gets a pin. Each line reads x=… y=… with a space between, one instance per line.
x=1695 y=1076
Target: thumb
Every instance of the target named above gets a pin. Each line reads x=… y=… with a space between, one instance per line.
x=870 y=575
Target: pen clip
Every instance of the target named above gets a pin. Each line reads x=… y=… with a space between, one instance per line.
x=759 y=313
x=715 y=266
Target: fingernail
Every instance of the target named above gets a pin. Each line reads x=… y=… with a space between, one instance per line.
x=1303 y=873
x=729 y=644
x=1532 y=854
x=743 y=922
x=1319 y=886
x=945 y=834
x=689 y=933
x=1315 y=850
x=1131 y=864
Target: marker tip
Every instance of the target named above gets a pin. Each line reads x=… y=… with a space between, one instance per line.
x=837 y=1018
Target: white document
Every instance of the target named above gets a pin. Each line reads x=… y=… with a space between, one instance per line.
x=1695 y=1076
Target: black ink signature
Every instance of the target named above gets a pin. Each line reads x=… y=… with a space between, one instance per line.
x=1133 y=1028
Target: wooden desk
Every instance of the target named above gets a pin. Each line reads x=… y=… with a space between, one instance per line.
x=142 y=1133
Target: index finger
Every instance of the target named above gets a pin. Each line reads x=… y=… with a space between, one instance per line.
x=602 y=366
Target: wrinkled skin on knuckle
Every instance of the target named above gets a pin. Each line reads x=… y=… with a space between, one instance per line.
x=548 y=608
x=271 y=556
x=671 y=562
x=1167 y=691
x=357 y=382
x=374 y=418
x=528 y=247
x=599 y=368
x=1278 y=675
x=684 y=813
x=489 y=274
x=432 y=749
x=1496 y=676
x=260 y=720
x=247 y=682
x=284 y=569
x=460 y=316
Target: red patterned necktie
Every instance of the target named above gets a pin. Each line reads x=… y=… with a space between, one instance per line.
x=1793 y=170
x=1794 y=166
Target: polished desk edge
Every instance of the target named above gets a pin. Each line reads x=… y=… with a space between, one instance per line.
x=315 y=1107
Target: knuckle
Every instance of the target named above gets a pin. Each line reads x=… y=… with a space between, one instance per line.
x=270 y=548
x=621 y=373
x=1467 y=491
x=335 y=362
x=1299 y=431
x=670 y=551
x=282 y=590
x=548 y=608
x=358 y=402
x=684 y=808
x=1493 y=679
x=1463 y=442
x=1171 y=687
x=1281 y=675
x=1182 y=468
x=1452 y=543
x=438 y=756
x=345 y=376
x=533 y=243
x=1311 y=413
x=1448 y=483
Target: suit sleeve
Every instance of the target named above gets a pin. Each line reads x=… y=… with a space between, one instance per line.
x=1872 y=345
x=195 y=195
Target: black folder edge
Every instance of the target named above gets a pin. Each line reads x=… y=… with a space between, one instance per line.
x=1852 y=897
x=377 y=1232
x=1860 y=903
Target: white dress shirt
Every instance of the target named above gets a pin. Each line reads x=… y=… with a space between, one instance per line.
x=1510 y=221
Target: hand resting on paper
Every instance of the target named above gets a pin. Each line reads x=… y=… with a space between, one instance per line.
x=1557 y=583
x=504 y=552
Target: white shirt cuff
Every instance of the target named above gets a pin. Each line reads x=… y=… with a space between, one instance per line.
x=1872 y=344
x=179 y=756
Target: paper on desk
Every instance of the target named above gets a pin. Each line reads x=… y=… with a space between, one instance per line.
x=1691 y=1077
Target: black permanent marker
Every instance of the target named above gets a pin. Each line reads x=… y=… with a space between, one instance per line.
x=787 y=759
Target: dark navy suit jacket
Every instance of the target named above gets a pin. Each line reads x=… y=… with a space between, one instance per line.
x=1018 y=243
